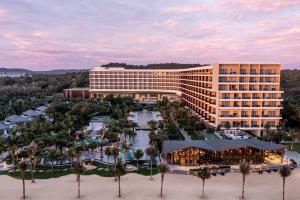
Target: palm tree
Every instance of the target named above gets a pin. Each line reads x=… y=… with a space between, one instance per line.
x=53 y=155
x=204 y=174
x=124 y=148
x=78 y=170
x=150 y=151
x=285 y=171
x=268 y=129
x=115 y=152
x=162 y=168
x=134 y=125
x=23 y=167
x=119 y=170
x=126 y=132
x=77 y=151
x=31 y=151
x=108 y=153
x=245 y=170
x=93 y=145
x=293 y=135
x=152 y=125
x=12 y=151
x=71 y=155
x=138 y=154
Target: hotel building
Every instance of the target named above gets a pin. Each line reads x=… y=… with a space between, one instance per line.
x=245 y=95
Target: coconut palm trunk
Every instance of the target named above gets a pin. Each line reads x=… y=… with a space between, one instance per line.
x=23 y=181
x=243 y=190
x=115 y=163
x=162 y=183
x=203 y=184
x=151 y=168
x=52 y=166
x=283 y=188
x=31 y=170
x=13 y=161
x=119 y=179
x=78 y=192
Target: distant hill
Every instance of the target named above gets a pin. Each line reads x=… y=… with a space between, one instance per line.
x=56 y=71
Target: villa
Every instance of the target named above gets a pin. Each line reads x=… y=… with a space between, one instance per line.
x=243 y=96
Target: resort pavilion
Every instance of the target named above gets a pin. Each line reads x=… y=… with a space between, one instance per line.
x=197 y=152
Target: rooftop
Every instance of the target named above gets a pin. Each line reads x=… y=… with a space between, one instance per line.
x=219 y=145
x=31 y=113
x=15 y=119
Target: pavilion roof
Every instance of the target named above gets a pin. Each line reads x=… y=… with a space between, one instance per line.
x=219 y=145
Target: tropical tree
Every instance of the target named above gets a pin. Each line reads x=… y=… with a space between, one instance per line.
x=78 y=170
x=150 y=151
x=12 y=152
x=71 y=155
x=162 y=168
x=204 y=174
x=23 y=167
x=138 y=154
x=124 y=148
x=31 y=151
x=108 y=153
x=93 y=145
x=119 y=170
x=128 y=132
x=78 y=151
x=268 y=129
x=227 y=125
x=115 y=153
x=134 y=125
x=293 y=135
x=52 y=156
x=285 y=171
x=245 y=170
x=152 y=125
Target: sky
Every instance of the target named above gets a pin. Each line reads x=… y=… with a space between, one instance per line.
x=77 y=34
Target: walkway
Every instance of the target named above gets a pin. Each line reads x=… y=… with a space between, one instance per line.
x=184 y=133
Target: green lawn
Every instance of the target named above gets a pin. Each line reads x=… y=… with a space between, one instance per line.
x=57 y=173
x=296 y=147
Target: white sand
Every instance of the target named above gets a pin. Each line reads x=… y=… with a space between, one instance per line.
x=137 y=187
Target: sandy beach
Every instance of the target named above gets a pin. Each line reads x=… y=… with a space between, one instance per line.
x=137 y=187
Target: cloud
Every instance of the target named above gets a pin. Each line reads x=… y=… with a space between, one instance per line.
x=81 y=34
x=172 y=23
x=269 y=6
x=41 y=34
x=187 y=9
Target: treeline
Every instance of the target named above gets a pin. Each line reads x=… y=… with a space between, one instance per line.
x=154 y=66
x=20 y=94
x=290 y=84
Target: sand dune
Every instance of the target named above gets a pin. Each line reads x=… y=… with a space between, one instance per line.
x=137 y=187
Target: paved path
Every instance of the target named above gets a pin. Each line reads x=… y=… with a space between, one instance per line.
x=184 y=133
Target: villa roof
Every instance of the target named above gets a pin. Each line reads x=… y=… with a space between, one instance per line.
x=3 y=126
x=42 y=108
x=15 y=119
x=31 y=113
x=219 y=145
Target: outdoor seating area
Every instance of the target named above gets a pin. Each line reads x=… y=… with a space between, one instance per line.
x=235 y=134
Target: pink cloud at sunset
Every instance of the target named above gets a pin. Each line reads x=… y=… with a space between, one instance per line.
x=53 y=34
